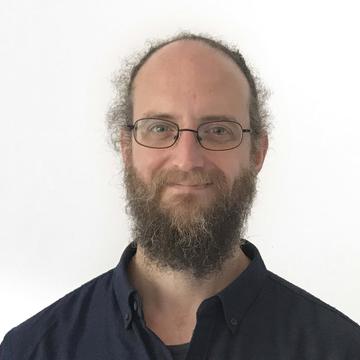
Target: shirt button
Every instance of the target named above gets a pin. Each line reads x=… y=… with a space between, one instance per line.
x=233 y=322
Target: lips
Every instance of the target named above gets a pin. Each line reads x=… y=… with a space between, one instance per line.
x=191 y=185
x=189 y=189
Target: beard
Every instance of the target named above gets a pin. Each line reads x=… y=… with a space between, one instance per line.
x=188 y=233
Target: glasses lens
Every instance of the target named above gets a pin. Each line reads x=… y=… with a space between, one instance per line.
x=220 y=135
x=155 y=133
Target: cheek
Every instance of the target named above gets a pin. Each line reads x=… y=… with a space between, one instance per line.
x=232 y=166
x=138 y=162
x=146 y=162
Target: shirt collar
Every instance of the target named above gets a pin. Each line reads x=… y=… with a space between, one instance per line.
x=124 y=292
x=236 y=298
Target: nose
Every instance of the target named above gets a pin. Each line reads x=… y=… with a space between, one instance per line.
x=187 y=152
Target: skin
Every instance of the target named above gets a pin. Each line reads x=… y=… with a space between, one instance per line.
x=185 y=82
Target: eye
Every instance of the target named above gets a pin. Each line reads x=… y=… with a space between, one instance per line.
x=219 y=130
x=159 y=128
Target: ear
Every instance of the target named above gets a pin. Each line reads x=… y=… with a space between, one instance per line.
x=260 y=153
x=125 y=146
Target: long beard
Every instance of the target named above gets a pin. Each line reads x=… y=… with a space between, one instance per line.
x=184 y=233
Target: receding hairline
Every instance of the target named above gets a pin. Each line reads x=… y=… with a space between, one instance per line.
x=199 y=42
x=120 y=113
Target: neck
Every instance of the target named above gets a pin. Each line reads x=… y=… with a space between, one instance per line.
x=162 y=291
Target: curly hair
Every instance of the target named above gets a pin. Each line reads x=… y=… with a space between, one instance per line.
x=120 y=113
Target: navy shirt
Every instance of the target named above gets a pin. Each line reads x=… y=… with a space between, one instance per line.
x=259 y=316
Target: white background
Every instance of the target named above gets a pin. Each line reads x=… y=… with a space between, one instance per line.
x=61 y=200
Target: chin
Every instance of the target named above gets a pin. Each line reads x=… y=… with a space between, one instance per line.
x=188 y=202
x=187 y=208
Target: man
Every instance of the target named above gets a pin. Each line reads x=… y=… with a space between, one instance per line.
x=191 y=125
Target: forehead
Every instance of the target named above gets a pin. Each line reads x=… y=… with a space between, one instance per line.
x=189 y=78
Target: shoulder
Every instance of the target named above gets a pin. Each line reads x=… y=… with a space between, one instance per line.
x=64 y=314
x=308 y=314
x=298 y=295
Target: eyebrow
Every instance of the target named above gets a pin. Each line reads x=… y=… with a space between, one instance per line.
x=166 y=116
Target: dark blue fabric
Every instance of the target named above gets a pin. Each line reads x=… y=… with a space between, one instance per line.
x=259 y=316
x=178 y=352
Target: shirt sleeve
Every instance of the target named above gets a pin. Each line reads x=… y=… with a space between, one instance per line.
x=353 y=351
x=5 y=353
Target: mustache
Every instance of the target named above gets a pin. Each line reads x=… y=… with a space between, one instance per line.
x=196 y=177
x=214 y=177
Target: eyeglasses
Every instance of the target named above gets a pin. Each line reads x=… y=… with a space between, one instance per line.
x=213 y=135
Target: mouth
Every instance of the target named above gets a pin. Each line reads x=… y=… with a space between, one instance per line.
x=190 y=186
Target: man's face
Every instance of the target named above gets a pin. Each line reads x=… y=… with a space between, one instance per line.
x=187 y=82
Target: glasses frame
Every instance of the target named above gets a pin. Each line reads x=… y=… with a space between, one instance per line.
x=132 y=128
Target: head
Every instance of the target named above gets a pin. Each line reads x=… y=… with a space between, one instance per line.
x=189 y=204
